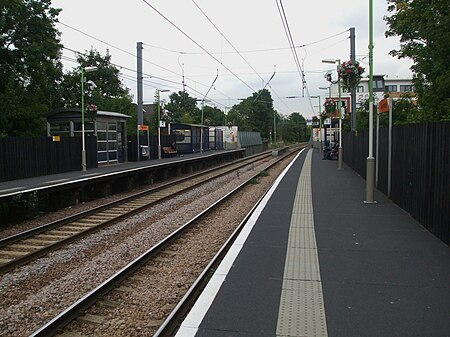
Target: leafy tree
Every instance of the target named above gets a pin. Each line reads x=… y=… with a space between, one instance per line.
x=404 y=111
x=255 y=113
x=182 y=108
x=30 y=67
x=293 y=128
x=213 y=116
x=424 y=30
x=109 y=92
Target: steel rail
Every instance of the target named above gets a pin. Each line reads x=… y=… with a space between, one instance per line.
x=5 y=267
x=56 y=324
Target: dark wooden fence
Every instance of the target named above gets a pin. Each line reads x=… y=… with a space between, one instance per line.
x=420 y=172
x=25 y=157
x=166 y=140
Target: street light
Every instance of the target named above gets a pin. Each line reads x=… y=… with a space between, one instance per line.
x=159 y=120
x=83 y=141
x=340 y=159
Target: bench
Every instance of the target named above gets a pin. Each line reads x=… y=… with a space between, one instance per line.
x=169 y=151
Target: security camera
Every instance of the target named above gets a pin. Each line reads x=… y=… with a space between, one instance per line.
x=91 y=84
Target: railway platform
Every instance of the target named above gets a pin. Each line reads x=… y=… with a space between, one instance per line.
x=110 y=174
x=315 y=260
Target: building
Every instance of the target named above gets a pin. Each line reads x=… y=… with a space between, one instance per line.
x=381 y=86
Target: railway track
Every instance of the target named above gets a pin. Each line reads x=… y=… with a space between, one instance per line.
x=140 y=271
x=27 y=246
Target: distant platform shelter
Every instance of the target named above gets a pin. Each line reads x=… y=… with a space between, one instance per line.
x=109 y=128
x=188 y=137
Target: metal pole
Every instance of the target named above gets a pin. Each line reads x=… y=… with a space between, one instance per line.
x=353 y=90
x=370 y=169
x=390 y=149
x=83 y=142
x=201 y=129
x=320 y=126
x=340 y=159
x=203 y=104
x=274 y=128
x=377 y=149
x=159 y=123
x=140 y=105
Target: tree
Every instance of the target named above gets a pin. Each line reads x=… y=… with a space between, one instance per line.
x=255 y=113
x=182 y=108
x=30 y=67
x=424 y=30
x=404 y=111
x=213 y=116
x=109 y=93
x=293 y=128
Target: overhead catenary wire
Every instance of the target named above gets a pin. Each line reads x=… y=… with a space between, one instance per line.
x=285 y=22
x=134 y=55
x=237 y=51
x=246 y=51
x=290 y=39
x=197 y=44
x=145 y=74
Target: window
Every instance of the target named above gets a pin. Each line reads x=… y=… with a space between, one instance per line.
x=391 y=88
x=406 y=88
x=378 y=84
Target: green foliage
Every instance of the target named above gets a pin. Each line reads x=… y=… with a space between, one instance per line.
x=30 y=68
x=424 y=30
x=293 y=128
x=182 y=108
x=255 y=113
x=109 y=94
x=24 y=206
x=404 y=111
x=213 y=116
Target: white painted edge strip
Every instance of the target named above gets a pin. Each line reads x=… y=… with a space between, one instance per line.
x=192 y=322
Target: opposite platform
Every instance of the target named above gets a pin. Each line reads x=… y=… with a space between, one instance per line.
x=314 y=260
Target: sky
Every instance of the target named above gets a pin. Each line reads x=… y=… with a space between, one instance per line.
x=190 y=45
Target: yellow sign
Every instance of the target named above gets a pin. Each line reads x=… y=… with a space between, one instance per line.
x=383 y=106
x=143 y=127
x=56 y=138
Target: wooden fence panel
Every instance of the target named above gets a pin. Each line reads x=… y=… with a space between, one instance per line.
x=25 y=157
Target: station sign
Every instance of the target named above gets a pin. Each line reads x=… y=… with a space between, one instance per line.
x=143 y=127
x=383 y=106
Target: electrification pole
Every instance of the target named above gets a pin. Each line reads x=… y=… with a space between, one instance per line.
x=140 y=95
x=370 y=167
x=353 y=90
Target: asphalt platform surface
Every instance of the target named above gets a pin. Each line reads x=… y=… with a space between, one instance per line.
x=382 y=273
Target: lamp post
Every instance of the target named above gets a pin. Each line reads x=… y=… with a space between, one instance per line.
x=83 y=140
x=158 y=99
x=370 y=165
x=340 y=151
x=320 y=124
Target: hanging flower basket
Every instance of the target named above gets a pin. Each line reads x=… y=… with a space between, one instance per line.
x=330 y=106
x=350 y=72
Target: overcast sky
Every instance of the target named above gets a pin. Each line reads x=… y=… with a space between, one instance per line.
x=255 y=29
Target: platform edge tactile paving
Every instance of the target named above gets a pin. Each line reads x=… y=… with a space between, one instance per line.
x=302 y=311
